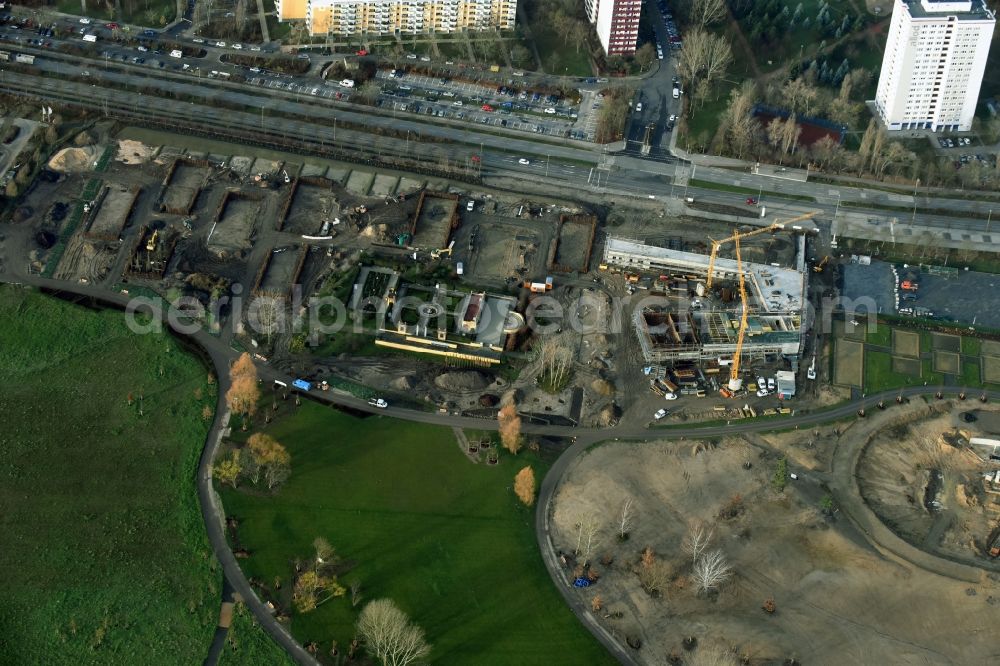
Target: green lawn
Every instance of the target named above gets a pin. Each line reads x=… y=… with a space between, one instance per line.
x=971 y=376
x=104 y=557
x=881 y=336
x=970 y=346
x=879 y=375
x=149 y=13
x=247 y=643
x=420 y=524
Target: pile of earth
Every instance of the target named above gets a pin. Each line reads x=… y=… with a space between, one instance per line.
x=463 y=380
x=134 y=152
x=74 y=160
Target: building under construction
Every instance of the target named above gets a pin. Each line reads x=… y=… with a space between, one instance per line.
x=683 y=320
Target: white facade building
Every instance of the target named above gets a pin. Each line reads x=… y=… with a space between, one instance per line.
x=933 y=64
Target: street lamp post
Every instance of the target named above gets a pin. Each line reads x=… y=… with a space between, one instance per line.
x=914 y=216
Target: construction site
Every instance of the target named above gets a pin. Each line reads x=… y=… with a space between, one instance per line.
x=431 y=268
x=705 y=314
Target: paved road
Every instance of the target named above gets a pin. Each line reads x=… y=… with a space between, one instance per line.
x=220 y=354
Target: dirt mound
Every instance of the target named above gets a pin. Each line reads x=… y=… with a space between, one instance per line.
x=404 y=383
x=134 y=152
x=463 y=380
x=74 y=160
x=602 y=387
x=608 y=416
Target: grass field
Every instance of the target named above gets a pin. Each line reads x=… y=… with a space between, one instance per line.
x=881 y=336
x=104 y=557
x=247 y=643
x=420 y=524
x=149 y=13
x=880 y=375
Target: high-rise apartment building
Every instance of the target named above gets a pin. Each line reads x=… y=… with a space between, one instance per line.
x=380 y=17
x=933 y=64
x=616 y=23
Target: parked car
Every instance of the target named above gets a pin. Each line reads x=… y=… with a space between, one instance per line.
x=378 y=402
x=660 y=413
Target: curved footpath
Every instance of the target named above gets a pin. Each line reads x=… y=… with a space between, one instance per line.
x=221 y=355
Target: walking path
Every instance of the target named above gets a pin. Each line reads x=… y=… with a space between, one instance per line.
x=220 y=354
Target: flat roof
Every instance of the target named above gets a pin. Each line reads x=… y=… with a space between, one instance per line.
x=774 y=289
x=491 y=322
x=963 y=10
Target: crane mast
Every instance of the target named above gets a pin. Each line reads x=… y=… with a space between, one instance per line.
x=735 y=383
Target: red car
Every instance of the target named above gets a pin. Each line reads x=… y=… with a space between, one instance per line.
x=111 y=26
x=361 y=52
x=751 y=201
x=487 y=107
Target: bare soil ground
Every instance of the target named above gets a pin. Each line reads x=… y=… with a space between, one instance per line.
x=75 y=160
x=134 y=152
x=85 y=260
x=235 y=231
x=946 y=342
x=574 y=238
x=947 y=362
x=185 y=183
x=905 y=343
x=435 y=221
x=278 y=276
x=848 y=369
x=991 y=369
x=503 y=251
x=906 y=366
x=929 y=492
x=312 y=205
x=838 y=600
x=111 y=216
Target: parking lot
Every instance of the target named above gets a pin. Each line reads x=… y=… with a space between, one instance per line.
x=500 y=106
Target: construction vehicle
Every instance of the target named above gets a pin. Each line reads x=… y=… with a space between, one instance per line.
x=995 y=547
x=716 y=244
x=539 y=287
x=818 y=268
x=151 y=243
x=446 y=251
x=735 y=382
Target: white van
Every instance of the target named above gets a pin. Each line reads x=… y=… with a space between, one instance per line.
x=347 y=83
x=176 y=53
x=677 y=93
x=460 y=268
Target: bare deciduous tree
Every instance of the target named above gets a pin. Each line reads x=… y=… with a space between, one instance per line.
x=706 y=12
x=703 y=59
x=741 y=125
x=625 y=519
x=510 y=427
x=588 y=536
x=711 y=570
x=697 y=539
x=390 y=636
x=557 y=358
x=524 y=486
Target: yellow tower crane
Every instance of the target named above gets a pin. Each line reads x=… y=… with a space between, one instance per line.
x=716 y=244
x=735 y=383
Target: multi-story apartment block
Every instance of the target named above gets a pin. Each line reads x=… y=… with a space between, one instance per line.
x=933 y=64
x=616 y=23
x=379 y=17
